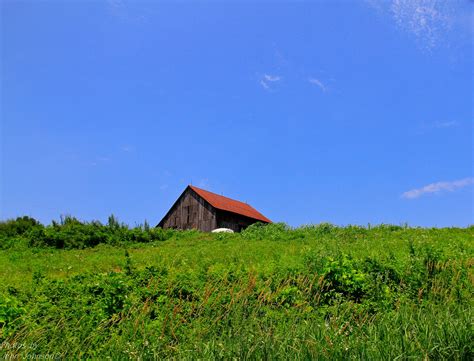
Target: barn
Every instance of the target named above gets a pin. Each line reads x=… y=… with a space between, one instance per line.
x=203 y=210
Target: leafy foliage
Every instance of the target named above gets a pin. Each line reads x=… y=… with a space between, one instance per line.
x=271 y=292
x=71 y=233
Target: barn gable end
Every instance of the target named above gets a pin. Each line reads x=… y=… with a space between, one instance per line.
x=203 y=210
x=190 y=211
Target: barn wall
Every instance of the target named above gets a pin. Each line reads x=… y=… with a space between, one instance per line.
x=191 y=212
x=233 y=221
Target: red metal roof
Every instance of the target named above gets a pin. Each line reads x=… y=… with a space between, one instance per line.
x=230 y=205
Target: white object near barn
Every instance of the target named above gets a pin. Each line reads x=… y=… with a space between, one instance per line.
x=224 y=230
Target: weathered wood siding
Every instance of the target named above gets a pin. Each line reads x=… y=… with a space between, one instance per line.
x=233 y=221
x=191 y=212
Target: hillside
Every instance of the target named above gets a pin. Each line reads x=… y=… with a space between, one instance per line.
x=76 y=289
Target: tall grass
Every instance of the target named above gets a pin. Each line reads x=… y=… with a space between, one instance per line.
x=271 y=292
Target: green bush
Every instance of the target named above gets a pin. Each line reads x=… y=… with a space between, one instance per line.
x=273 y=231
x=70 y=233
x=18 y=226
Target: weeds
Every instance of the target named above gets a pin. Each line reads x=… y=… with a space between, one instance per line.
x=272 y=292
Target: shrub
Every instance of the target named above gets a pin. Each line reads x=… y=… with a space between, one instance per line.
x=71 y=233
x=18 y=226
x=272 y=231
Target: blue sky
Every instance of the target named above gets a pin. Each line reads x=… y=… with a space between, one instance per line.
x=340 y=111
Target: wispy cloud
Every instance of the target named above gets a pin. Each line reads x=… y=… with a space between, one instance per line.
x=127 y=148
x=426 y=20
x=449 y=124
x=437 y=126
x=267 y=80
x=99 y=160
x=318 y=83
x=264 y=85
x=438 y=188
x=115 y=4
x=163 y=187
x=272 y=78
x=121 y=10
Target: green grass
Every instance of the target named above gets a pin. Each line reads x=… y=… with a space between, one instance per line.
x=322 y=292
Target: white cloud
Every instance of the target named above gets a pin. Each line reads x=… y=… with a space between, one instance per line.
x=117 y=7
x=445 y=124
x=426 y=20
x=271 y=78
x=163 y=187
x=122 y=10
x=267 y=79
x=438 y=188
x=264 y=85
x=438 y=125
x=116 y=3
x=319 y=83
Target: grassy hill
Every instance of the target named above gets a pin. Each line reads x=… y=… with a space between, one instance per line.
x=76 y=289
